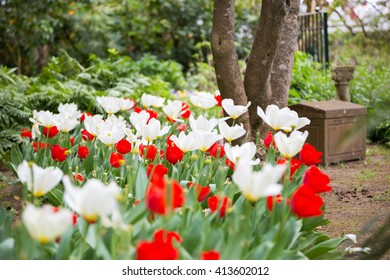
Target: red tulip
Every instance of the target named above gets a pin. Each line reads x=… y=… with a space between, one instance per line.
x=316 y=180
x=151 y=151
x=26 y=133
x=305 y=203
x=202 y=192
x=230 y=164
x=181 y=127
x=278 y=199
x=216 y=149
x=295 y=165
x=86 y=135
x=162 y=196
x=117 y=160
x=156 y=171
x=309 y=155
x=220 y=204
x=72 y=139
x=161 y=248
x=185 y=110
x=218 y=98
x=210 y=255
x=82 y=151
x=174 y=154
x=58 y=153
x=50 y=131
x=268 y=140
x=123 y=146
x=77 y=177
x=40 y=145
x=83 y=115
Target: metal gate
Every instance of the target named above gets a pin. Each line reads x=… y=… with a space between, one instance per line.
x=313 y=36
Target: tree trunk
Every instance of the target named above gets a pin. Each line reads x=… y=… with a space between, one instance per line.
x=284 y=59
x=228 y=74
x=258 y=71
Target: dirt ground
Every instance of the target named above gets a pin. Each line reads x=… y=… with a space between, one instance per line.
x=359 y=202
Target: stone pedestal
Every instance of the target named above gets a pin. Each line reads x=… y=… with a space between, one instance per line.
x=337 y=129
x=342 y=75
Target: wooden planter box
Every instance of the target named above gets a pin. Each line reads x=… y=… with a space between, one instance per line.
x=337 y=129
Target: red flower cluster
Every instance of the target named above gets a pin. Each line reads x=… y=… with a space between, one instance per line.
x=305 y=201
x=309 y=155
x=220 y=204
x=160 y=248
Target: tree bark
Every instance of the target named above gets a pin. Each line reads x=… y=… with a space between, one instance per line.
x=258 y=71
x=284 y=59
x=227 y=71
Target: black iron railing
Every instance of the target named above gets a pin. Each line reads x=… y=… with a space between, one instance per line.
x=313 y=37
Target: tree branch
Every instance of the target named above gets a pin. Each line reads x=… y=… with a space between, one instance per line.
x=284 y=59
x=258 y=71
x=227 y=70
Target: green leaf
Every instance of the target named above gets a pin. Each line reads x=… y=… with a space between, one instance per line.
x=323 y=247
x=65 y=247
x=55 y=196
x=141 y=182
x=136 y=213
x=7 y=249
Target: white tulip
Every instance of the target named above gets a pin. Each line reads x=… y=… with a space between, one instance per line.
x=91 y=123
x=39 y=180
x=246 y=151
x=203 y=140
x=203 y=100
x=125 y=104
x=201 y=123
x=148 y=100
x=65 y=123
x=290 y=146
x=43 y=118
x=44 y=224
x=69 y=110
x=137 y=119
x=93 y=201
x=152 y=130
x=110 y=104
x=231 y=133
x=263 y=183
x=173 y=110
x=184 y=142
x=282 y=119
x=234 y=111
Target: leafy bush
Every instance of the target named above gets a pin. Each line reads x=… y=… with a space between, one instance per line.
x=371 y=88
x=310 y=81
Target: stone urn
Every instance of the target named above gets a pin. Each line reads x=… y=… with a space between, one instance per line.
x=341 y=76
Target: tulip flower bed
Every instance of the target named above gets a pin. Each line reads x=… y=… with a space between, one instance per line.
x=161 y=179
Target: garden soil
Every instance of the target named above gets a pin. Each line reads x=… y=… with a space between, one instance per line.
x=358 y=204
